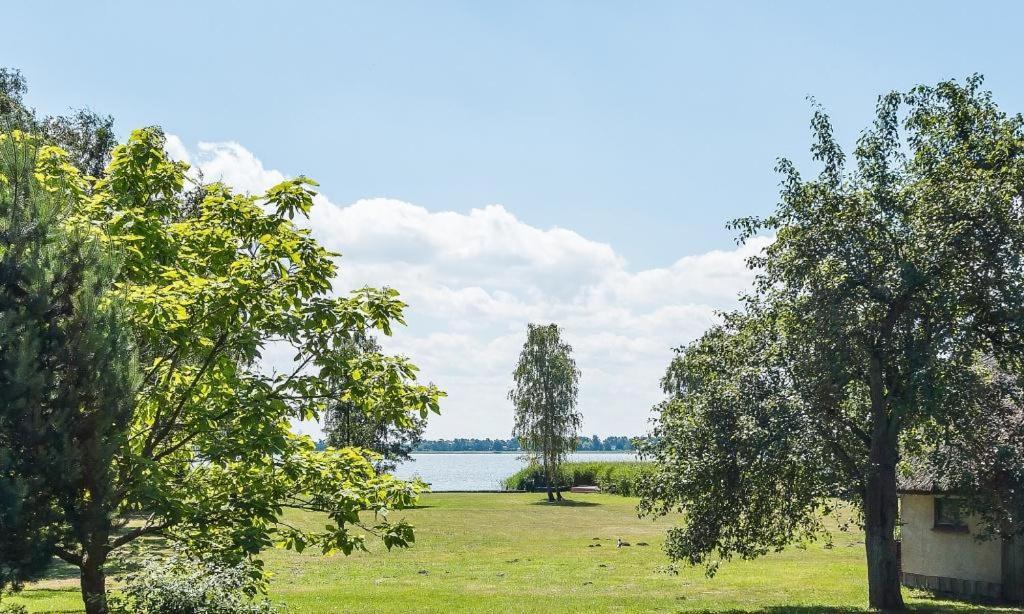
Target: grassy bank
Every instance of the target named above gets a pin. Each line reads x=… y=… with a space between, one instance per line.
x=613 y=477
x=515 y=553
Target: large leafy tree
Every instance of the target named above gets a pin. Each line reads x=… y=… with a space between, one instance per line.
x=209 y=279
x=546 y=386
x=886 y=281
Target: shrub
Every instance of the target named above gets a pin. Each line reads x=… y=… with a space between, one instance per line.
x=12 y=608
x=621 y=478
x=183 y=585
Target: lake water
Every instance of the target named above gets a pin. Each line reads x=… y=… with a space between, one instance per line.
x=480 y=471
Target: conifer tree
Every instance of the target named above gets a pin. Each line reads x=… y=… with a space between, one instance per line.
x=66 y=374
x=348 y=426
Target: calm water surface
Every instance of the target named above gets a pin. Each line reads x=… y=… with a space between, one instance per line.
x=480 y=471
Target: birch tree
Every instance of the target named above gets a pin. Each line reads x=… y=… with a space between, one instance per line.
x=546 y=387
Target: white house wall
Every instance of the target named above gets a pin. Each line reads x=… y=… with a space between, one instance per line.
x=944 y=554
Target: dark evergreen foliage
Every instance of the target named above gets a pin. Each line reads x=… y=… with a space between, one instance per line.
x=86 y=136
x=463 y=444
x=66 y=367
x=346 y=425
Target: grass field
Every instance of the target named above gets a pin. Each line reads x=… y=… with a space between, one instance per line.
x=515 y=553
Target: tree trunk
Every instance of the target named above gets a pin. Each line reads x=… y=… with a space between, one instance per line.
x=94 y=589
x=881 y=508
x=547 y=480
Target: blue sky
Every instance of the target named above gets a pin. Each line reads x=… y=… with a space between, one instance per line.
x=639 y=126
x=645 y=125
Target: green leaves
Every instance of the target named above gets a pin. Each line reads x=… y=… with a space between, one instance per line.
x=892 y=271
x=397 y=535
x=211 y=280
x=67 y=363
x=734 y=449
x=546 y=387
x=291 y=196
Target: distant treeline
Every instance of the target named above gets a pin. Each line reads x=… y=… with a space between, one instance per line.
x=586 y=444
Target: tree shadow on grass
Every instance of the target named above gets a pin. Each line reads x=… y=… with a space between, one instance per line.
x=60 y=570
x=128 y=561
x=941 y=608
x=36 y=595
x=565 y=503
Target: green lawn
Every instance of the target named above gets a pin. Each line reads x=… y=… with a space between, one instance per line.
x=515 y=553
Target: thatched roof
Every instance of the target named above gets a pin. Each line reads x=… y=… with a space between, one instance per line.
x=919 y=476
x=984 y=447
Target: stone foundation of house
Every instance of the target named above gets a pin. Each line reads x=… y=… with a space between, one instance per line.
x=973 y=589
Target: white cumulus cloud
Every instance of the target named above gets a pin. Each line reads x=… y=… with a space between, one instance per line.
x=474 y=280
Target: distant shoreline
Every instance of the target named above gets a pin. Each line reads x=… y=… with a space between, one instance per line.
x=519 y=452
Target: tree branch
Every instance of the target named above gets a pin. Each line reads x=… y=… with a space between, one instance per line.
x=67 y=556
x=162 y=433
x=135 y=534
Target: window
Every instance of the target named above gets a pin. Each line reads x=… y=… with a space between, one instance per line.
x=948 y=516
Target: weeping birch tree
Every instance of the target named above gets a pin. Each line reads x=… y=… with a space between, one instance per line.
x=546 y=386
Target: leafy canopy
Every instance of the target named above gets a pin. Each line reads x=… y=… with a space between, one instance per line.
x=210 y=281
x=888 y=279
x=544 y=396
